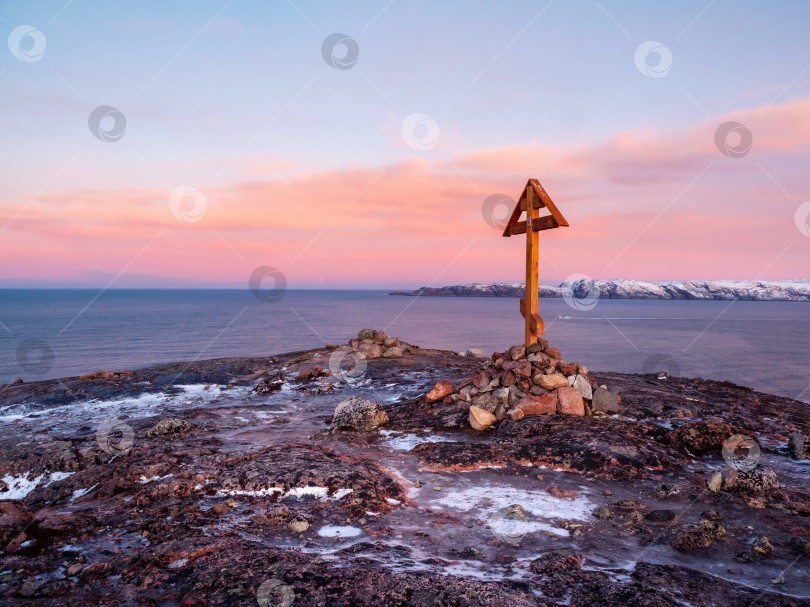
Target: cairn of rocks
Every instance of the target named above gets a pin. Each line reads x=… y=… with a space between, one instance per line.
x=376 y=344
x=527 y=381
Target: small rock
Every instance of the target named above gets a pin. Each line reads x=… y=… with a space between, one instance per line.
x=501 y=395
x=391 y=342
x=168 y=427
x=537 y=348
x=367 y=334
x=487 y=402
x=500 y=412
x=357 y=413
x=417 y=484
x=329 y=346
x=475 y=353
x=74 y=569
x=762 y=547
x=581 y=384
x=298 y=525
x=29 y=588
x=370 y=351
x=566 y=368
x=553 y=353
x=437 y=488
x=716 y=482
x=557 y=562
x=442 y=389
x=757 y=482
x=393 y=352
x=570 y=401
x=481 y=419
x=480 y=380
x=517 y=352
x=602 y=513
x=516 y=414
x=220 y=508
x=798 y=447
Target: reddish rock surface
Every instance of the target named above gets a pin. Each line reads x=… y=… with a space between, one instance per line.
x=249 y=494
x=570 y=401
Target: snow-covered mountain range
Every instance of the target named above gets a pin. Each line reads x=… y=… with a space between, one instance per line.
x=622 y=288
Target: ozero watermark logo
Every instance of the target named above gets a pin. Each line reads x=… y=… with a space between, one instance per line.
x=187 y=204
x=653 y=59
x=508 y=524
x=497 y=209
x=259 y=287
x=340 y=51
x=348 y=364
x=275 y=593
x=35 y=356
x=420 y=131
x=107 y=123
x=741 y=452
x=733 y=139
x=27 y=43
x=661 y=363
x=802 y=218
x=115 y=436
x=580 y=292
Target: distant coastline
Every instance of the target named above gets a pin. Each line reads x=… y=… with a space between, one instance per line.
x=727 y=290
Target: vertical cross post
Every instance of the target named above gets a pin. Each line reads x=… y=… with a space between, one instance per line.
x=533 y=198
x=533 y=322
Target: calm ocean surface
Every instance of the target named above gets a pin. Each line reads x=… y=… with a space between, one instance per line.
x=764 y=345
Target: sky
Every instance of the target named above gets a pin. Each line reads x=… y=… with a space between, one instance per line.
x=379 y=144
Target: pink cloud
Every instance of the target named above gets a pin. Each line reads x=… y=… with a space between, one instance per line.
x=420 y=220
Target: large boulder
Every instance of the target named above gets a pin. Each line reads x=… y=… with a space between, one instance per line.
x=169 y=426
x=605 y=401
x=359 y=414
x=545 y=404
x=701 y=436
x=570 y=401
x=551 y=382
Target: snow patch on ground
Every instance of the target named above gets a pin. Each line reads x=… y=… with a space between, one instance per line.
x=339 y=531
x=321 y=493
x=407 y=441
x=486 y=500
x=20 y=486
x=143 y=480
x=81 y=493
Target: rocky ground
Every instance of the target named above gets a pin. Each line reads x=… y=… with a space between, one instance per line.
x=242 y=481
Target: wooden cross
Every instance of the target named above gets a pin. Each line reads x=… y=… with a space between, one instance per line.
x=532 y=199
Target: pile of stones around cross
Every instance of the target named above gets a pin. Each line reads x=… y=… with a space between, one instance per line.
x=377 y=344
x=527 y=381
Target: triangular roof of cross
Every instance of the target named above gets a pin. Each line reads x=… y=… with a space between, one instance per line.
x=541 y=200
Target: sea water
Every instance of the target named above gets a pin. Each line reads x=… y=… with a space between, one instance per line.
x=764 y=345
